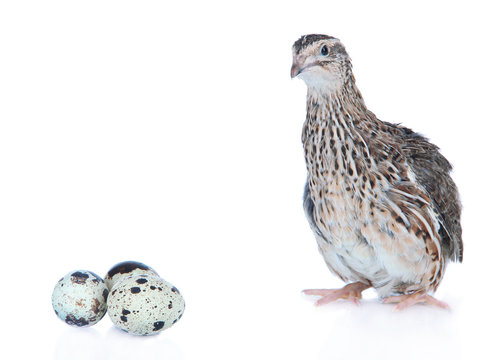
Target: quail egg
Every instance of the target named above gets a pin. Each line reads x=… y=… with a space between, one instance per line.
x=80 y=298
x=125 y=269
x=145 y=305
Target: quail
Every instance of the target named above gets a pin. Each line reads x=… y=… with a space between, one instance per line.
x=379 y=197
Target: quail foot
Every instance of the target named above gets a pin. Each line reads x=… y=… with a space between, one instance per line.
x=379 y=197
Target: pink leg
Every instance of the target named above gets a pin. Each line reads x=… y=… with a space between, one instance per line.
x=405 y=301
x=351 y=292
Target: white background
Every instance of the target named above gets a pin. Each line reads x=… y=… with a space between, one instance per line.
x=169 y=133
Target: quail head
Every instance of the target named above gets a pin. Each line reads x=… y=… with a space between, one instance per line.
x=379 y=197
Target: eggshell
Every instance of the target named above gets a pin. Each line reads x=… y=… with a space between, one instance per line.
x=125 y=269
x=80 y=298
x=145 y=305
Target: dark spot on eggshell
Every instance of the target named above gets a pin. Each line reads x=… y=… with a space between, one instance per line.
x=153 y=288
x=113 y=292
x=158 y=325
x=135 y=290
x=97 y=278
x=126 y=312
x=96 y=306
x=127 y=267
x=79 y=277
x=72 y=320
x=175 y=290
x=141 y=281
x=124 y=318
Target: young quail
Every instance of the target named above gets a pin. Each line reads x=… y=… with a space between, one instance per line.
x=379 y=198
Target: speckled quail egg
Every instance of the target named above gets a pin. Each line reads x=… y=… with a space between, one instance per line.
x=125 y=269
x=145 y=305
x=80 y=298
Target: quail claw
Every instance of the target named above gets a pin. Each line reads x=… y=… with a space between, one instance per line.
x=406 y=301
x=351 y=292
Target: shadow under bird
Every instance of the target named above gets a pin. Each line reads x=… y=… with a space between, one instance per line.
x=379 y=197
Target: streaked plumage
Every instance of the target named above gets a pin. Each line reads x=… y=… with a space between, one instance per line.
x=379 y=197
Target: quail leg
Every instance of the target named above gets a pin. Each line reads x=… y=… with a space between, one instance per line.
x=351 y=292
x=405 y=301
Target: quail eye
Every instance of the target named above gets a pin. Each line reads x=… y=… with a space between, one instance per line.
x=324 y=51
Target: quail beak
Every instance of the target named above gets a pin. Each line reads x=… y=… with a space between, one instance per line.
x=297 y=66
x=295 y=70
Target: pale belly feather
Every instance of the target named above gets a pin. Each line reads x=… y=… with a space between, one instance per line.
x=360 y=243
